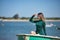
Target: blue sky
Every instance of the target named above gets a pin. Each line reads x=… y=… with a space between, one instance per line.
x=26 y=8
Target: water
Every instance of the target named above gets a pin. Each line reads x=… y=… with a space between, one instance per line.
x=9 y=30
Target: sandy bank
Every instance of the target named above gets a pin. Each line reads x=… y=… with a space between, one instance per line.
x=4 y=20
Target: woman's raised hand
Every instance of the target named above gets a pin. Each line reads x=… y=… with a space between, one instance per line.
x=35 y=14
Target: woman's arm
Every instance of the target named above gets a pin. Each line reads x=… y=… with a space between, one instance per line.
x=31 y=19
x=44 y=28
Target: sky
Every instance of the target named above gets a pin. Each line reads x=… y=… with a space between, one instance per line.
x=26 y=8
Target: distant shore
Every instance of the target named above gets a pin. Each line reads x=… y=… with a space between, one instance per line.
x=17 y=20
x=6 y=20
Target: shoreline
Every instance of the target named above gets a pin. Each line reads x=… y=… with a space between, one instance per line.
x=18 y=20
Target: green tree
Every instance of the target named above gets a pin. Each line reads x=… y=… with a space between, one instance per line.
x=16 y=16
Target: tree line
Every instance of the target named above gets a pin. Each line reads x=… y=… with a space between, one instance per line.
x=16 y=16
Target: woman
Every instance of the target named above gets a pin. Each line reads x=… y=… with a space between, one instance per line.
x=40 y=24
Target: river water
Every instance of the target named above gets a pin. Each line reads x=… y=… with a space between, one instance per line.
x=9 y=30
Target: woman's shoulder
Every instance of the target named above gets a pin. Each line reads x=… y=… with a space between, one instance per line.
x=43 y=22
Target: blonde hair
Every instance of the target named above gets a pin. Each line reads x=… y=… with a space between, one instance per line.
x=42 y=18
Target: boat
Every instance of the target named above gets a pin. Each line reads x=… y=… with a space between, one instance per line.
x=36 y=37
x=50 y=25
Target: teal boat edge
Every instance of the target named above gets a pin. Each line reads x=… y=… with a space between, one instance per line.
x=36 y=37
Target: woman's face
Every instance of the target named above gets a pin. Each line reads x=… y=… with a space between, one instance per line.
x=39 y=16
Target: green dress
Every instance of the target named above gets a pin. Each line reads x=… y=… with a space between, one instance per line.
x=40 y=26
